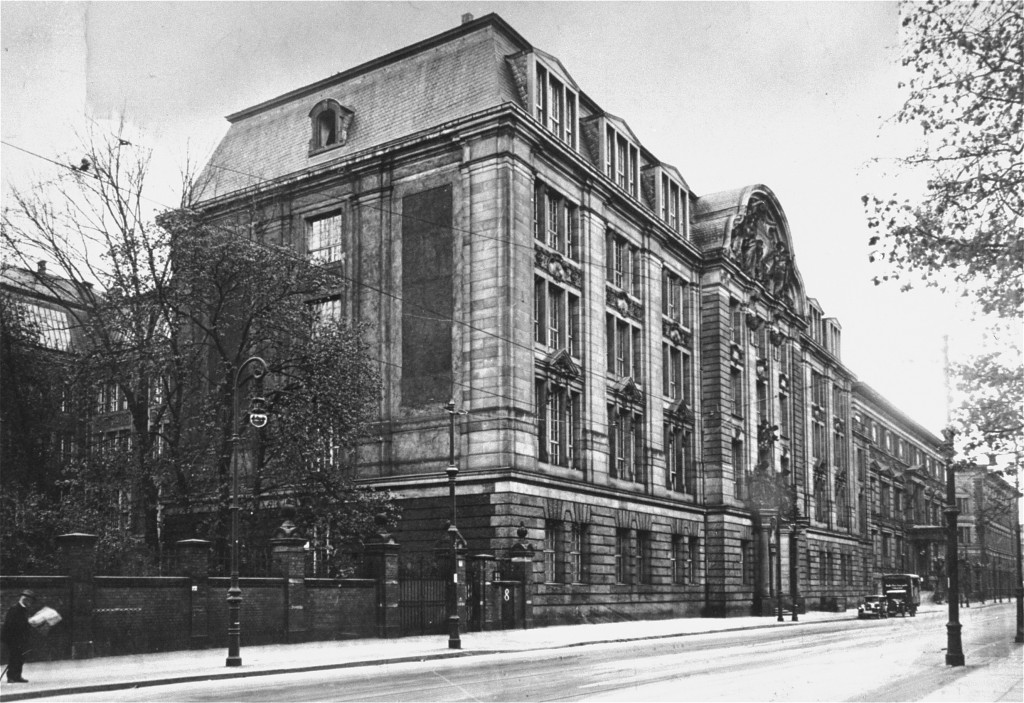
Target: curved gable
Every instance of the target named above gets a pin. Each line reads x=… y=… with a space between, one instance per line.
x=749 y=226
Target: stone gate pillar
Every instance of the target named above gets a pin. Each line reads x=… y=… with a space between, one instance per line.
x=381 y=554
x=522 y=571
x=194 y=562
x=78 y=556
x=288 y=561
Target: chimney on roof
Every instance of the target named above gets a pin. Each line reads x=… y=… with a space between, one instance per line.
x=468 y=17
x=41 y=268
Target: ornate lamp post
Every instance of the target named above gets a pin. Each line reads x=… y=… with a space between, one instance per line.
x=454 y=641
x=954 y=645
x=257 y=418
x=777 y=520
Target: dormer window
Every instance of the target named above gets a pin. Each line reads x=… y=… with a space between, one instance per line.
x=330 y=122
x=555 y=105
x=622 y=161
x=673 y=203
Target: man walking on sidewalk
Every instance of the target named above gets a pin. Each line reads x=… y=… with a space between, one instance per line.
x=14 y=634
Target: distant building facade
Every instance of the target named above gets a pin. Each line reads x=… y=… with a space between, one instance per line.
x=645 y=383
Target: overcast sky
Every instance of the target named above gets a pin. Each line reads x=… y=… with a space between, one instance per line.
x=791 y=95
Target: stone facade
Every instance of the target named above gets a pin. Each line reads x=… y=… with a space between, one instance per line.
x=646 y=385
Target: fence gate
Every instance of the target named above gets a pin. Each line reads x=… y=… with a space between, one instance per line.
x=422 y=582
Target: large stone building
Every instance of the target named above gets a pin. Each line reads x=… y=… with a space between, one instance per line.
x=639 y=375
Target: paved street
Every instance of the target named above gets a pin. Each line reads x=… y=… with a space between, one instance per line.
x=825 y=657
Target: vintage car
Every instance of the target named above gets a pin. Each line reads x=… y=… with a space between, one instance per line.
x=903 y=591
x=872 y=607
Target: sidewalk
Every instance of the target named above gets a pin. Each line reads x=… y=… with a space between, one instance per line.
x=67 y=677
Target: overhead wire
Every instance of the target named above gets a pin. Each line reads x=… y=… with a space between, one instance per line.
x=333 y=271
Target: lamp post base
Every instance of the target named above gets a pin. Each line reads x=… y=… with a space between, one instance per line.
x=454 y=641
x=233 y=661
x=954 y=647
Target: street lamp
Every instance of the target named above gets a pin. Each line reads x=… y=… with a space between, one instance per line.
x=454 y=641
x=257 y=418
x=954 y=646
x=1017 y=556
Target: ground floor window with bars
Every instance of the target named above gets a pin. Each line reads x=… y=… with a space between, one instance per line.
x=558 y=423
x=643 y=550
x=622 y=556
x=576 y=571
x=554 y=551
x=685 y=558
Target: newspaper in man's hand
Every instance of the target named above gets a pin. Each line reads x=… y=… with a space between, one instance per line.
x=44 y=618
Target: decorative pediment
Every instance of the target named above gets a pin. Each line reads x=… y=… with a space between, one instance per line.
x=680 y=411
x=627 y=391
x=560 y=365
x=818 y=413
x=838 y=425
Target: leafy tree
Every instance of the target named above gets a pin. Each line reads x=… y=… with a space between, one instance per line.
x=172 y=307
x=965 y=95
x=991 y=414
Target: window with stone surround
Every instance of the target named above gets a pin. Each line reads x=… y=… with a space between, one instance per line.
x=680 y=467
x=558 y=422
x=676 y=299
x=325 y=238
x=556 y=315
x=626 y=443
x=622 y=259
x=555 y=221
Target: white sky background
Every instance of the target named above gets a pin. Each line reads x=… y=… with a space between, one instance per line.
x=791 y=95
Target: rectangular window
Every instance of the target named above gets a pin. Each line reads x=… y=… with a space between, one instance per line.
x=622 y=556
x=643 y=556
x=556 y=315
x=577 y=546
x=784 y=412
x=557 y=108
x=553 y=547
x=736 y=315
x=624 y=348
x=746 y=558
x=626 y=455
x=736 y=388
x=672 y=372
x=692 y=560
x=329 y=311
x=542 y=95
x=324 y=239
